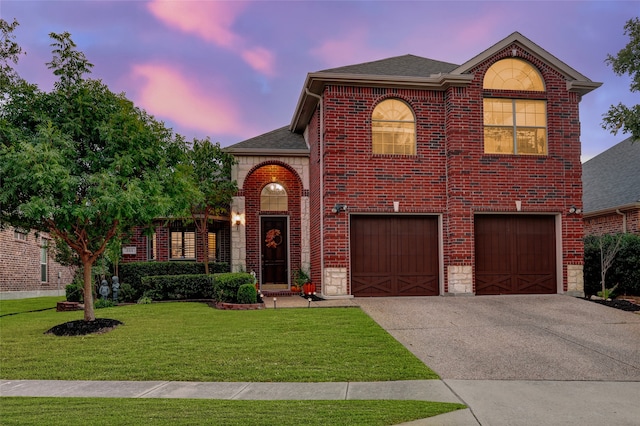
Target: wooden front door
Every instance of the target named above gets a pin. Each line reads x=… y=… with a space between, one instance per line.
x=274 y=251
x=394 y=255
x=515 y=254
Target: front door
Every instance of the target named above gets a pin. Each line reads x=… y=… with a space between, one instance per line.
x=274 y=247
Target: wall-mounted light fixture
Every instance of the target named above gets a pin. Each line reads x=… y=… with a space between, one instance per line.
x=237 y=219
x=339 y=208
x=574 y=210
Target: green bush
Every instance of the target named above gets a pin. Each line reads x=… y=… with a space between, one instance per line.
x=247 y=294
x=624 y=272
x=226 y=286
x=126 y=293
x=103 y=303
x=74 y=292
x=177 y=287
x=132 y=273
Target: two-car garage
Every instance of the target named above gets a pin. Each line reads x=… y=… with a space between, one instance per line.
x=398 y=255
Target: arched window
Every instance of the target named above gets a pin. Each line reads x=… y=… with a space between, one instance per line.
x=514 y=125
x=274 y=198
x=393 y=128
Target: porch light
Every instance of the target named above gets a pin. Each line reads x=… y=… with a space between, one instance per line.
x=237 y=220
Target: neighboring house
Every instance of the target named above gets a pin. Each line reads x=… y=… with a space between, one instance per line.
x=27 y=267
x=611 y=190
x=409 y=176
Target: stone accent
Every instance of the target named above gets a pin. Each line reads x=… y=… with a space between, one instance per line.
x=335 y=282
x=238 y=236
x=575 y=280
x=460 y=279
x=305 y=254
x=248 y=163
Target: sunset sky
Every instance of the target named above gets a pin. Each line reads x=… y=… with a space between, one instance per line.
x=234 y=70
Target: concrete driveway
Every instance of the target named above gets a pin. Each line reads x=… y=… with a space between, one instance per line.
x=523 y=360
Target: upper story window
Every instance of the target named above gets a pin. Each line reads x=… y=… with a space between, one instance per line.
x=274 y=198
x=20 y=234
x=393 y=128
x=514 y=125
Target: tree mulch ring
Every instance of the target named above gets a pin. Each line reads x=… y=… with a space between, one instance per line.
x=82 y=327
x=624 y=305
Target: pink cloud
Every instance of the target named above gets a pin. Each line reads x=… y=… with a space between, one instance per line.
x=166 y=93
x=349 y=49
x=213 y=22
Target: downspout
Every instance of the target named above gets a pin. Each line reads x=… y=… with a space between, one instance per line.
x=321 y=159
x=624 y=221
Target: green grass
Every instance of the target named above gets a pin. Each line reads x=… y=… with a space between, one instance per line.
x=9 y=307
x=193 y=342
x=103 y=411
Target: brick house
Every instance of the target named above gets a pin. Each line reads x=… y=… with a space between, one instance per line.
x=409 y=176
x=27 y=267
x=611 y=182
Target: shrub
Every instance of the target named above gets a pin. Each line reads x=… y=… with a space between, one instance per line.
x=74 y=292
x=176 y=287
x=624 y=271
x=226 y=286
x=103 y=303
x=132 y=273
x=247 y=294
x=126 y=293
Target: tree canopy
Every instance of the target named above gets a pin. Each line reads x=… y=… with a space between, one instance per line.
x=80 y=162
x=621 y=117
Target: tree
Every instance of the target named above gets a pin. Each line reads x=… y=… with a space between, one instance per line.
x=81 y=162
x=208 y=170
x=627 y=61
x=609 y=247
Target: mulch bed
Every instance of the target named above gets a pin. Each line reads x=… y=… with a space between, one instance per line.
x=624 y=305
x=82 y=327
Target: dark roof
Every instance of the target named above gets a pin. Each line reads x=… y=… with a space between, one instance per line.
x=280 y=140
x=406 y=66
x=612 y=178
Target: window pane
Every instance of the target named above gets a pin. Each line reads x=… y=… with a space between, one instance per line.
x=498 y=140
x=212 y=246
x=531 y=141
x=176 y=244
x=274 y=198
x=43 y=261
x=393 y=129
x=190 y=245
x=513 y=74
x=498 y=112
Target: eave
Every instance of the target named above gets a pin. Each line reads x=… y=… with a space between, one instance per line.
x=316 y=82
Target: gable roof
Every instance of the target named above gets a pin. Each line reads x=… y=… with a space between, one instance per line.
x=415 y=72
x=611 y=179
x=406 y=65
x=280 y=141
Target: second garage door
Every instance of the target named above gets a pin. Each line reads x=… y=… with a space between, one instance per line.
x=394 y=255
x=515 y=254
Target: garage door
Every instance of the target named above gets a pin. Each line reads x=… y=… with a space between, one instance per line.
x=394 y=255
x=515 y=254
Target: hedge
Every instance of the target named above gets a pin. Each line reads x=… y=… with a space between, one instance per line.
x=226 y=286
x=177 y=287
x=132 y=273
x=625 y=270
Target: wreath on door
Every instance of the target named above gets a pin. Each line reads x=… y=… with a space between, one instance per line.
x=274 y=238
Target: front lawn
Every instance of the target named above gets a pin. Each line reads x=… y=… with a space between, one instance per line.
x=192 y=342
x=173 y=412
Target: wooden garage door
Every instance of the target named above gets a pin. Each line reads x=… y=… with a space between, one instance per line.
x=394 y=255
x=515 y=254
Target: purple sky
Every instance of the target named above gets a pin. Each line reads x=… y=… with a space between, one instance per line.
x=234 y=70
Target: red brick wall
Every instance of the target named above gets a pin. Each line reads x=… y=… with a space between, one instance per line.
x=256 y=180
x=20 y=264
x=612 y=223
x=450 y=173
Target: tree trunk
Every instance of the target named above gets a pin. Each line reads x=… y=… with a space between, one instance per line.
x=89 y=314
x=205 y=238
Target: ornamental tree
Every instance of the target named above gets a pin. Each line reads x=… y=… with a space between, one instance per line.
x=627 y=61
x=208 y=171
x=81 y=162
